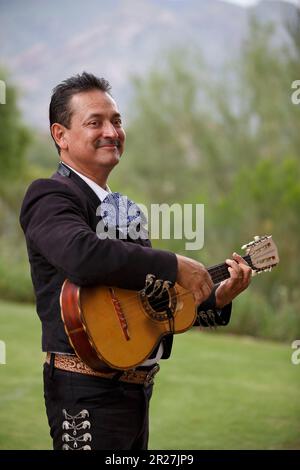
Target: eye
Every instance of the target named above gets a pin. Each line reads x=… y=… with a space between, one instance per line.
x=94 y=123
x=118 y=122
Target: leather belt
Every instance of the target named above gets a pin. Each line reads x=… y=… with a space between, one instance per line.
x=72 y=363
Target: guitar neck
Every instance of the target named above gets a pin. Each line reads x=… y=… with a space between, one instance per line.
x=219 y=272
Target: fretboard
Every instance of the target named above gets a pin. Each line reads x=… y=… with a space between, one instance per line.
x=220 y=272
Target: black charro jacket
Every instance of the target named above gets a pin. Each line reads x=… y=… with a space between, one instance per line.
x=58 y=217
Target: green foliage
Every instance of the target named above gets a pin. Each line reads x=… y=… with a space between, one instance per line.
x=272 y=203
x=23 y=157
x=231 y=143
x=14 y=141
x=15 y=280
x=14 y=136
x=254 y=314
x=42 y=157
x=192 y=140
x=164 y=130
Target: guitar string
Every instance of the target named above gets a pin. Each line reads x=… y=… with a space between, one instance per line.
x=171 y=297
x=131 y=300
x=218 y=272
x=133 y=320
x=157 y=305
x=130 y=303
x=218 y=277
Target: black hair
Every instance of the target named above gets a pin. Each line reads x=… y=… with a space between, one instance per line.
x=59 y=109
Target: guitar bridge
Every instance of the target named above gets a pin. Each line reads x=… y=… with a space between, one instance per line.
x=120 y=313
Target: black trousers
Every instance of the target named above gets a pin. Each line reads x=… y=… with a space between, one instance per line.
x=93 y=413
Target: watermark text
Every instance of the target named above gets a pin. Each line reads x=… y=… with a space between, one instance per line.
x=166 y=222
x=295 y=358
x=2 y=352
x=296 y=94
x=2 y=92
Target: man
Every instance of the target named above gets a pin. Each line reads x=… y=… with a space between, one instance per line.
x=88 y=409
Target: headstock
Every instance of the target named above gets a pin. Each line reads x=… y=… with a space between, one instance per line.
x=263 y=253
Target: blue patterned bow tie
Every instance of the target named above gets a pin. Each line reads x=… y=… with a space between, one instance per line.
x=117 y=211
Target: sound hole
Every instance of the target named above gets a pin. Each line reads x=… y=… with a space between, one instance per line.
x=158 y=308
x=159 y=304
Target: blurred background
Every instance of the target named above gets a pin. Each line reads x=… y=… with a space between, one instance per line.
x=205 y=90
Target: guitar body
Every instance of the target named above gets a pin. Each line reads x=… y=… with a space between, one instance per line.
x=110 y=327
x=118 y=327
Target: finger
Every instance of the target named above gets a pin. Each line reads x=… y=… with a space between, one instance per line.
x=233 y=273
x=244 y=266
x=236 y=274
x=239 y=259
x=240 y=283
x=235 y=266
x=247 y=273
x=232 y=263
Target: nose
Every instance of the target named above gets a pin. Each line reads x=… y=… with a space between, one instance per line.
x=109 y=130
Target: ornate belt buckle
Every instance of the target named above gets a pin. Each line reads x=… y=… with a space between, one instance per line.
x=149 y=380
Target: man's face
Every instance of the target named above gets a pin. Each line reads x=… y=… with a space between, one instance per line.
x=96 y=137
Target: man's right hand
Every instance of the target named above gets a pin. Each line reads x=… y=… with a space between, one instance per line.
x=194 y=277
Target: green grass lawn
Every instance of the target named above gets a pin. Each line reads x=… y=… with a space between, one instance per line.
x=216 y=392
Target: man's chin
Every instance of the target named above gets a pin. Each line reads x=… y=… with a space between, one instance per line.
x=109 y=159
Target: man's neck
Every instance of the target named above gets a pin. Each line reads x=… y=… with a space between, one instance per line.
x=100 y=179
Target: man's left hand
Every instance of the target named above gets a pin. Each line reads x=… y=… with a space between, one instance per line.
x=239 y=280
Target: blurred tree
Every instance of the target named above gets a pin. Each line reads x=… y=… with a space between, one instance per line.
x=15 y=139
x=230 y=141
x=165 y=129
x=14 y=142
x=265 y=184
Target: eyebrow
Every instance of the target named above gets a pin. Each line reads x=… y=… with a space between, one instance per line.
x=99 y=115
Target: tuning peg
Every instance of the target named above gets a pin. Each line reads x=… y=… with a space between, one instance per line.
x=256 y=239
x=247 y=245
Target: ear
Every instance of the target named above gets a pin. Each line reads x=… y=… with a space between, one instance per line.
x=58 y=133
